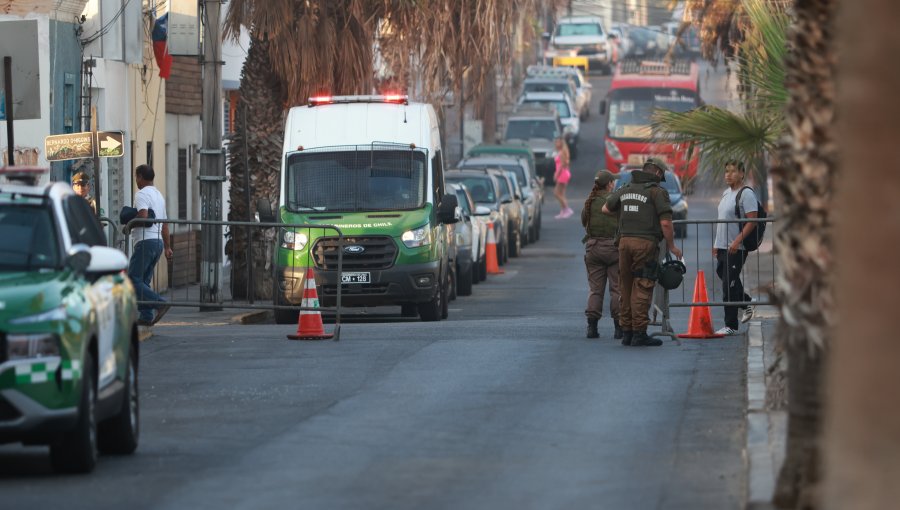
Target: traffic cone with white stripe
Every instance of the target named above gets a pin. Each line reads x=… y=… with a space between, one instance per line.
x=491 y=253
x=309 y=323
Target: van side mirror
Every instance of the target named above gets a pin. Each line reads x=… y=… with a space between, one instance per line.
x=264 y=211
x=447 y=209
x=603 y=107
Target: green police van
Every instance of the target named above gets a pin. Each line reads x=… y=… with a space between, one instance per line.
x=371 y=166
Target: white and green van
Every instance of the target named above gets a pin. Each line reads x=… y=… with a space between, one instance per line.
x=372 y=166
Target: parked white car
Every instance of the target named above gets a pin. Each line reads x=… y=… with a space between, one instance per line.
x=584 y=36
x=561 y=79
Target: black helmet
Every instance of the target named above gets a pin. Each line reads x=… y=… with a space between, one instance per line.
x=671 y=273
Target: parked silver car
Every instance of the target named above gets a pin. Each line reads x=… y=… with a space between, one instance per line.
x=485 y=191
x=532 y=189
x=467 y=233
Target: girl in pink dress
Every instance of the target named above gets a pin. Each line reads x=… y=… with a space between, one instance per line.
x=562 y=176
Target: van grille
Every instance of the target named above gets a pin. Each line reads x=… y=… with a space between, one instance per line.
x=378 y=252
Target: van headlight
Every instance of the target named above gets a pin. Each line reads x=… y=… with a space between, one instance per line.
x=293 y=240
x=32 y=345
x=417 y=237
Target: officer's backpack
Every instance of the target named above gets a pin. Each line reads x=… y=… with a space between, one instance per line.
x=751 y=242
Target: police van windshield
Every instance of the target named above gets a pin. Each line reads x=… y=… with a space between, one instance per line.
x=29 y=238
x=356 y=180
x=631 y=110
x=526 y=129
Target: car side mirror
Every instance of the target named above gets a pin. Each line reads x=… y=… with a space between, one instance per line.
x=106 y=260
x=603 y=107
x=447 y=210
x=79 y=258
x=482 y=210
x=264 y=211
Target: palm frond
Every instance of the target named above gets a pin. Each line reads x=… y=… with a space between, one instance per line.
x=720 y=135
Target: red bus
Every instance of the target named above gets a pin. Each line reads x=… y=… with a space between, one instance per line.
x=638 y=88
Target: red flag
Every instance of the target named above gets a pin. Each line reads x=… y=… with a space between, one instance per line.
x=160 y=47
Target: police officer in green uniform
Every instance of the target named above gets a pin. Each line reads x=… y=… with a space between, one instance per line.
x=81 y=183
x=601 y=257
x=645 y=218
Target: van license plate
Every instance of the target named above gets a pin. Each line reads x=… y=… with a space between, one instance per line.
x=356 y=278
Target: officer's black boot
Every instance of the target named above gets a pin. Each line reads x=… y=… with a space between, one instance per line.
x=618 y=334
x=592 y=328
x=626 y=337
x=641 y=339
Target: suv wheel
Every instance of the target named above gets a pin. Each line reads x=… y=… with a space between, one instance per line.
x=76 y=451
x=464 y=281
x=120 y=433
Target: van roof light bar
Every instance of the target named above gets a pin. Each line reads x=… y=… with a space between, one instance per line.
x=387 y=98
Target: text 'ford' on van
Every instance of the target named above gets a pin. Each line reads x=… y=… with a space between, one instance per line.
x=371 y=166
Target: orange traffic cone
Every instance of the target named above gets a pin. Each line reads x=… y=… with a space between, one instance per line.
x=700 y=323
x=491 y=253
x=309 y=323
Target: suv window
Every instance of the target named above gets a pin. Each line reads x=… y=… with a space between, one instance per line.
x=481 y=188
x=29 y=239
x=561 y=107
x=526 y=129
x=83 y=225
x=505 y=193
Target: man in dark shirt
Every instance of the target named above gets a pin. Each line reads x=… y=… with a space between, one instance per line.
x=645 y=218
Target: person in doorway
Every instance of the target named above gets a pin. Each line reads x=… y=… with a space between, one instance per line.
x=150 y=241
x=728 y=248
x=601 y=257
x=561 y=176
x=645 y=219
x=81 y=184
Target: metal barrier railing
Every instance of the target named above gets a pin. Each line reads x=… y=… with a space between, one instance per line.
x=251 y=273
x=758 y=265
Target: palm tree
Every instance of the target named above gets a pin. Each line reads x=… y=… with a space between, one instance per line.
x=805 y=183
x=862 y=419
x=789 y=111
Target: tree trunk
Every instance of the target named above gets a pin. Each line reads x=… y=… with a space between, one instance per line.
x=862 y=428
x=254 y=158
x=804 y=242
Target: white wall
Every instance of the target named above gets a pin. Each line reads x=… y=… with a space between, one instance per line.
x=30 y=134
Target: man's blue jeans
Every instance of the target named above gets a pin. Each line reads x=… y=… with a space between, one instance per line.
x=140 y=269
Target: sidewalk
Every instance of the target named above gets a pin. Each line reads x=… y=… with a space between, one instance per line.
x=766 y=412
x=194 y=316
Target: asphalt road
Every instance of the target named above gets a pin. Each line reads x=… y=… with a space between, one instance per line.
x=504 y=405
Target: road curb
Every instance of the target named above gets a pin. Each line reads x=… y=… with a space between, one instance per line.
x=144 y=333
x=761 y=468
x=254 y=317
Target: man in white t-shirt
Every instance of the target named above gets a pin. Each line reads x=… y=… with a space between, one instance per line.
x=150 y=242
x=728 y=248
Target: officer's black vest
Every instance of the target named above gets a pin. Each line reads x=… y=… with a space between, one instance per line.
x=638 y=216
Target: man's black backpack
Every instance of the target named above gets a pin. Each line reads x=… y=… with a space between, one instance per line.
x=751 y=242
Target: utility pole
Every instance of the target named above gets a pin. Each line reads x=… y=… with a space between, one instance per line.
x=212 y=167
x=8 y=91
x=96 y=155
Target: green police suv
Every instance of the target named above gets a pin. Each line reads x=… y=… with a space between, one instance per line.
x=68 y=327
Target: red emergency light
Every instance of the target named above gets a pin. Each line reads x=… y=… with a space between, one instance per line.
x=389 y=98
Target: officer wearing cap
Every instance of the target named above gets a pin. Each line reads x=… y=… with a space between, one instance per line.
x=601 y=257
x=645 y=218
x=81 y=183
